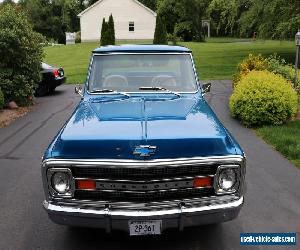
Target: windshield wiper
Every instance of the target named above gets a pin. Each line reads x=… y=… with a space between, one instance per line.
x=109 y=91
x=160 y=89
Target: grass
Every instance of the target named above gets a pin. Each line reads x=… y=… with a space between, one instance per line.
x=215 y=59
x=285 y=139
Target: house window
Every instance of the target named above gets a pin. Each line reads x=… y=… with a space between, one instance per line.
x=131 y=26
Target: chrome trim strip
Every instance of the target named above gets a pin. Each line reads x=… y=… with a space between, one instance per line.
x=143 y=163
x=138 y=213
x=146 y=206
x=147 y=191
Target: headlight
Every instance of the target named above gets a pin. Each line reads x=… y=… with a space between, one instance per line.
x=227 y=179
x=61 y=182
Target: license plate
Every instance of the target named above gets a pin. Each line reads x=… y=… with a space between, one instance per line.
x=145 y=227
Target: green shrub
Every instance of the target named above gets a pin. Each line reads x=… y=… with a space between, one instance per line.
x=263 y=98
x=104 y=39
x=111 y=27
x=184 y=30
x=78 y=37
x=279 y=66
x=252 y=62
x=108 y=32
x=160 y=34
x=21 y=55
x=172 y=38
x=1 y=100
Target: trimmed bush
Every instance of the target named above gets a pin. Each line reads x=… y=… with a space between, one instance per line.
x=279 y=66
x=184 y=31
x=263 y=98
x=78 y=37
x=104 y=39
x=1 y=100
x=108 y=32
x=160 y=34
x=252 y=62
x=111 y=27
x=21 y=55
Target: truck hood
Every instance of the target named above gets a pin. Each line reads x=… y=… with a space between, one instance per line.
x=112 y=129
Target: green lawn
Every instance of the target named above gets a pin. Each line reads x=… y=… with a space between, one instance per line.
x=215 y=59
x=285 y=139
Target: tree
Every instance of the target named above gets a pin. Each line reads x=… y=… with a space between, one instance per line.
x=21 y=55
x=149 y=3
x=111 y=27
x=105 y=34
x=160 y=35
x=53 y=18
x=184 y=17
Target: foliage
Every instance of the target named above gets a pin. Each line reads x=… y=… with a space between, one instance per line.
x=277 y=19
x=149 y=3
x=78 y=37
x=252 y=62
x=184 y=17
x=1 y=100
x=172 y=38
x=111 y=27
x=279 y=66
x=263 y=98
x=160 y=34
x=53 y=18
x=184 y=30
x=108 y=32
x=273 y=63
x=21 y=55
x=104 y=37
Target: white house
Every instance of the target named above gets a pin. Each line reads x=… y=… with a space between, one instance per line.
x=133 y=20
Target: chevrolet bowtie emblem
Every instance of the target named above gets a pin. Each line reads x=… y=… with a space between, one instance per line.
x=144 y=150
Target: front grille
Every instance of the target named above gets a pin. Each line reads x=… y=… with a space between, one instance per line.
x=143 y=173
x=144 y=196
x=161 y=174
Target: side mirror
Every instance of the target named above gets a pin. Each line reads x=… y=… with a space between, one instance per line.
x=78 y=90
x=206 y=88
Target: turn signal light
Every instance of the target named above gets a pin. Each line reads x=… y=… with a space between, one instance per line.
x=202 y=182
x=86 y=185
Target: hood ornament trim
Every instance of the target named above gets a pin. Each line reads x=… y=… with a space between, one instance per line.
x=144 y=150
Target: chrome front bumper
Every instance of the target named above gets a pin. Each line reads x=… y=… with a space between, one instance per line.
x=109 y=220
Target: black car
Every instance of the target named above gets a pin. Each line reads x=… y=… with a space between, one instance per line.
x=51 y=78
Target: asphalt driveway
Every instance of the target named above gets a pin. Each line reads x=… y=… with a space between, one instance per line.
x=272 y=199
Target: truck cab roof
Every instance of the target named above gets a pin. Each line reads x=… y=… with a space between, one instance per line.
x=141 y=49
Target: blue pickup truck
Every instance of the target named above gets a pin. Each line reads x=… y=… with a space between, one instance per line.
x=143 y=152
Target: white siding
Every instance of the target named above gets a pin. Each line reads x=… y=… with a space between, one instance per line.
x=123 y=11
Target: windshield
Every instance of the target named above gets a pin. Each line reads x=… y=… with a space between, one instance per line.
x=142 y=72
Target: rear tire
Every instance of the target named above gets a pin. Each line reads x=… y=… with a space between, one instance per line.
x=52 y=90
x=41 y=91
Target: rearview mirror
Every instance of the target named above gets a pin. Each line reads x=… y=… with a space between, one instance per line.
x=206 y=88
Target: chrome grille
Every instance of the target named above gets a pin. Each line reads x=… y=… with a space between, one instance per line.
x=143 y=173
x=144 y=184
